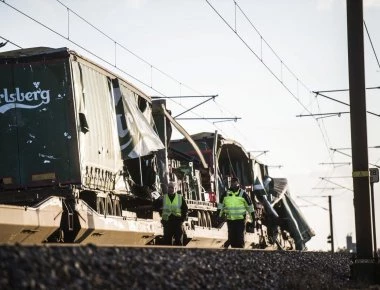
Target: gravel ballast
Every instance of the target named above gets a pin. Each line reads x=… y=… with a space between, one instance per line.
x=91 y=267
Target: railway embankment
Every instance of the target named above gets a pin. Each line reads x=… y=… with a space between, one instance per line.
x=91 y=267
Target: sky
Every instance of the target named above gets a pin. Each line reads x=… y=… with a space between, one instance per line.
x=264 y=66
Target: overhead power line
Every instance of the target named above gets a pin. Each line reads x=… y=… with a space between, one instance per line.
x=80 y=46
x=212 y=118
x=211 y=98
x=258 y=55
x=183 y=97
x=370 y=40
x=294 y=94
x=341 y=186
x=343 y=90
x=348 y=155
x=335 y=164
x=8 y=41
x=324 y=188
x=343 y=103
x=101 y=58
x=337 y=177
x=2 y=44
x=325 y=115
x=349 y=148
x=116 y=43
x=312 y=203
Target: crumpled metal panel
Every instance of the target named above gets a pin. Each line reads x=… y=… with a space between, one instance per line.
x=98 y=143
x=298 y=224
x=136 y=135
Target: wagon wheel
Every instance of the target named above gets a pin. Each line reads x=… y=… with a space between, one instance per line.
x=278 y=239
x=208 y=219
x=109 y=207
x=116 y=207
x=100 y=205
x=204 y=220
x=199 y=215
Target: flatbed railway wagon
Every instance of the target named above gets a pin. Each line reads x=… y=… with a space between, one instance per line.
x=280 y=223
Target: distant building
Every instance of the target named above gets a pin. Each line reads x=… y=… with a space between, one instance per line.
x=351 y=247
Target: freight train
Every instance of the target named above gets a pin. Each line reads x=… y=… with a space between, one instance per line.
x=84 y=155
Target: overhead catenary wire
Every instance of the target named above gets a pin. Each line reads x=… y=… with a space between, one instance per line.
x=197 y=105
x=294 y=95
x=320 y=124
x=270 y=47
x=343 y=103
x=8 y=41
x=348 y=155
x=323 y=114
x=323 y=130
x=210 y=118
x=338 y=177
x=125 y=48
x=2 y=44
x=313 y=203
x=327 y=180
x=87 y=50
x=370 y=40
x=80 y=46
x=343 y=90
x=103 y=59
x=256 y=55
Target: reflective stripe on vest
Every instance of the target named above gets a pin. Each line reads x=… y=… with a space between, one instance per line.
x=235 y=205
x=171 y=207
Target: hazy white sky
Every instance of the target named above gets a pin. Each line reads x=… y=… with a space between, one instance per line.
x=187 y=40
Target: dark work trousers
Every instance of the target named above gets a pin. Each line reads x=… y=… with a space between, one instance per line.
x=236 y=230
x=173 y=228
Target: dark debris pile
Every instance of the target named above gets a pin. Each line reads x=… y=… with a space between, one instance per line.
x=90 y=267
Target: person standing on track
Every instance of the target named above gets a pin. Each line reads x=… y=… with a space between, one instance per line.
x=174 y=213
x=235 y=203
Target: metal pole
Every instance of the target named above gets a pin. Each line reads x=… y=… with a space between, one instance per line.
x=374 y=222
x=141 y=177
x=363 y=268
x=216 y=170
x=331 y=225
x=362 y=202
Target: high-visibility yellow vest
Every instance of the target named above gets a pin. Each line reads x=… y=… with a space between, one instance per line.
x=171 y=207
x=235 y=205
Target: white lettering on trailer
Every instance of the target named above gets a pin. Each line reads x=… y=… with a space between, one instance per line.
x=24 y=100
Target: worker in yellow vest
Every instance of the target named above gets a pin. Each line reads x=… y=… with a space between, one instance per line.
x=174 y=213
x=235 y=204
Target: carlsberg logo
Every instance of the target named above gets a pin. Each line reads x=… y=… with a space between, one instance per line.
x=25 y=100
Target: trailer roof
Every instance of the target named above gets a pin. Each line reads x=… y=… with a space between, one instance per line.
x=223 y=142
x=35 y=53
